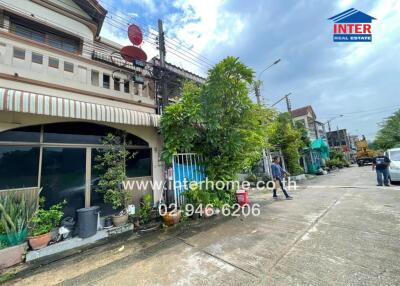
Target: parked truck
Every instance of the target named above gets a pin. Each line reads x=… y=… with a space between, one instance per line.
x=364 y=155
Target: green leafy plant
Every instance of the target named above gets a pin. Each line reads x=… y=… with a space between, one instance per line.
x=219 y=121
x=389 y=134
x=15 y=214
x=145 y=209
x=111 y=163
x=282 y=135
x=43 y=221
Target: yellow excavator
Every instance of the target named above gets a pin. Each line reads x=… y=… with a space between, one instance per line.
x=364 y=155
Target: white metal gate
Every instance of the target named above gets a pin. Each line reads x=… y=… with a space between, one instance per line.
x=186 y=167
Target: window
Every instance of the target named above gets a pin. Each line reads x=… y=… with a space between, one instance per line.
x=29 y=33
x=116 y=84
x=37 y=58
x=19 y=53
x=68 y=67
x=95 y=78
x=138 y=163
x=63 y=43
x=24 y=134
x=83 y=133
x=53 y=62
x=18 y=167
x=63 y=177
x=106 y=81
x=126 y=86
x=44 y=34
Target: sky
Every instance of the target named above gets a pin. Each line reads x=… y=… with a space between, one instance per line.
x=360 y=81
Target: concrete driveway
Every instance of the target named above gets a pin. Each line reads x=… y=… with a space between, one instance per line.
x=339 y=230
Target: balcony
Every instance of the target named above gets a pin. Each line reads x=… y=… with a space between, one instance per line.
x=36 y=64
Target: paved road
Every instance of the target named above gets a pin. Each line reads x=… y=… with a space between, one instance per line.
x=339 y=230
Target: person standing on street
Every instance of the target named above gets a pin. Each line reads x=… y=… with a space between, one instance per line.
x=381 y=164
x=278 y=173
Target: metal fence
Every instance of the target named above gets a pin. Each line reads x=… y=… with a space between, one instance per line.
x=186 y=167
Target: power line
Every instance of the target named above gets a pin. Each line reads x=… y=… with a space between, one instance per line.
x=174 y=42
x=125 y=23
x=111 y=23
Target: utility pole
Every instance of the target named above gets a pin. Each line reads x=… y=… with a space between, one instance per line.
x=257 y=91
x=161 y=48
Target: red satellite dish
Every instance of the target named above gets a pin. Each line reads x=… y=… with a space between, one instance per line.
x=130 y=53
x=135 y=34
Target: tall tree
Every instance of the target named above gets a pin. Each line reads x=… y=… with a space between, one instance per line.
x=219 y=121
x=282 y=135
x=389 y=134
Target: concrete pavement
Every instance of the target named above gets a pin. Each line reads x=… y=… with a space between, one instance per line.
x=339 y=230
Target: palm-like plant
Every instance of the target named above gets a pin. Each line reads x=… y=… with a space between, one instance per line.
x=15 y=214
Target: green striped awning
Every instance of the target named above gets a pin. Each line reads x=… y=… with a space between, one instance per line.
x=34 y=103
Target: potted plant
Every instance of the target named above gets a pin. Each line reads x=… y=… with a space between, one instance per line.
x=15 y=213
x=146 y=215
x=111 y=164
x=43 y=222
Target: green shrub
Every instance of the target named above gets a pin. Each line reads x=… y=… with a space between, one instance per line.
x=145 y=209
x=252 y=178
x=111 y=163
x=43 y=221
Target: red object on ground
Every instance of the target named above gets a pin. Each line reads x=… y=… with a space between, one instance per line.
x=242 y=198
x=130 y=53
x=135 y=35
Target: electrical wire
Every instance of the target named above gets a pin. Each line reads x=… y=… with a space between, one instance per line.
x=88 y=44
x=174 y=42
x=124 y=23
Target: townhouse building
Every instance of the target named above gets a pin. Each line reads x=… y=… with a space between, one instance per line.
x=61 y=91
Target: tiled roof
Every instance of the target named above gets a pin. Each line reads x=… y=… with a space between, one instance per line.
x=303 y=111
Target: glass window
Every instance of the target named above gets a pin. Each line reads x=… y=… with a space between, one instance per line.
x=138 y=163
x=19 y=53
x=53 y=62
x=63 y=178
x=44 y=34
x=394 y=155
x=106 y=81
x=95 y=78
x=27 y=32
x=24 y=134
x=70 y=46
x=116 y=84
x=18 y=167
x=126 y=86
x=133 y=140
x=37 y=58
x=68 y=67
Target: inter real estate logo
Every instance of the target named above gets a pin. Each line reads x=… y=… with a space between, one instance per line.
x=352 y=26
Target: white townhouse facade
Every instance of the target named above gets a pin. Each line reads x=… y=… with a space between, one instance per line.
x=60 y=92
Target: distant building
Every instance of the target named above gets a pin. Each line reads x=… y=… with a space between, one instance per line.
x=314 y=156
x=307 y=117
x=341 y=140
x=338 y=138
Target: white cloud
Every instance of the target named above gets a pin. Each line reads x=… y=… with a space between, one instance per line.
x=203 y=26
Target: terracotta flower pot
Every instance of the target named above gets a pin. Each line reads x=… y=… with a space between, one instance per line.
x=40 y=241
x=172 y=218
x=120 y=219
x=11 y=255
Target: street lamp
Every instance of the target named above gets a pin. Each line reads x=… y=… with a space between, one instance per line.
x=274 y=63
x=258 y=82
x=333 y=118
